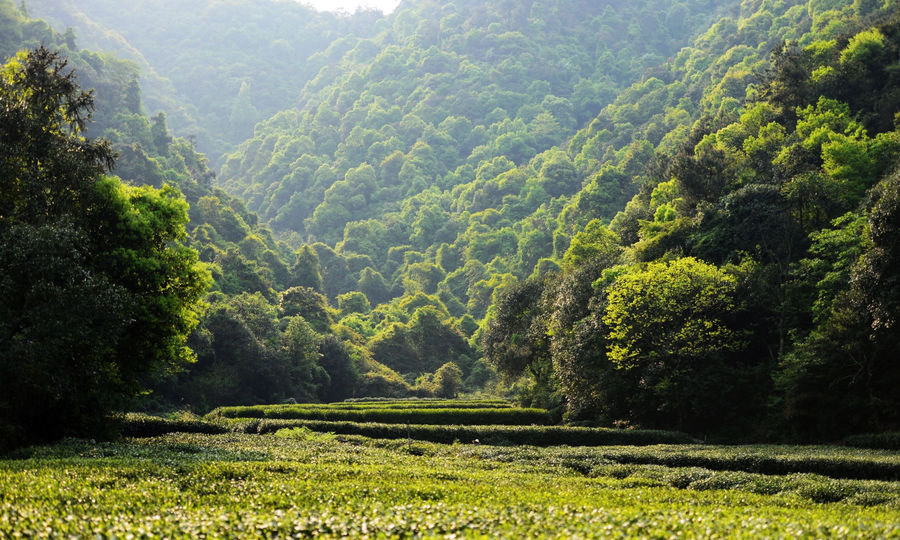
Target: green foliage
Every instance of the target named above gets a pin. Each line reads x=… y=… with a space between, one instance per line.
x=596 y=240
x=864 y=47
x=300 y=346
x=670 y=313
x=408 y=138
x=374 y=403
x=448 y=380
x=670 y=323
x=309 y=304
x=143 y=425
x=886 y=441
x=422 y=345
x=248 y=351
x=515 y=338
x=451 y=415
x=341 y=367
x=255 y=57
x=507 y=435
x=353 y=302
x=854 y=334
x=303 y=434
x=305 y=272
x=417 y=184
x=99 y=291
x=182 y=485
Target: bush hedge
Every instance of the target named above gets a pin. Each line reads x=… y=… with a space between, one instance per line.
x=832 y=464
x=259 y=411
x=446 y=434
x=143 y=425
x=881 y=441
x=413 y=401
x=500 y=416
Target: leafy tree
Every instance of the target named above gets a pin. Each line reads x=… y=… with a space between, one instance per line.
x=447 y=380
x=353 y=302
x=374 y=286
x=309 y=304
x=558 y=176
x=99 y=292
x=234 y=365
x=670 y=322
x=422 y=345
x=422 y=277
x=240 y=275
x=160 y=134
x=300 y=346
x=574 y=309
x=342 y=370
x=842 y=377
x=515 y=336
x=876 y=278
x=305 y=272
x=596 y=240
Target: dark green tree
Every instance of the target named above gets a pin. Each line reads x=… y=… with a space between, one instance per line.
x=447 y=380
x=98 y=291
x=343 y=373
x=421 y=346
x=305 y=272
x=515 y=339
x=160 y=133
x=353 y=302
x=671 y=323
x=374 y=286
x=309 y=304
x=842 y=378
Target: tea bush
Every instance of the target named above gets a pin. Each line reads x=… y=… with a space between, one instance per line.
x=251 y=486
x=143 y=425
x=487 y=434
x=886 y=441
x=442 y=416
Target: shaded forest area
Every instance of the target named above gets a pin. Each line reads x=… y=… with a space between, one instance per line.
x=676 y=215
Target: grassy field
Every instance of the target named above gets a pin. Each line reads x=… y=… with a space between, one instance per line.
x=297 y=483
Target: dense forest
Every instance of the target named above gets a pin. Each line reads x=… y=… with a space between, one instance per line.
x=678 y=214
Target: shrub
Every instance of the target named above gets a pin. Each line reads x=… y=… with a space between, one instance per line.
x=438 y=416
x=303 y=434
x=882 y=441
x=517 y=435
x=143 y=425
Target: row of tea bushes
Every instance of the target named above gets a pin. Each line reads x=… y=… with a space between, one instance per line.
x=481 y=434
x=261 y=411
x=884 y=441
x=830 y=461
x=243 y=486
x=143 y=425
x=414 y=402
x=512 y=416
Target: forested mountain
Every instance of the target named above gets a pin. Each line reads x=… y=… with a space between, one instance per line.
x=451 y=87
x=216 y=67
x=672 y=214
x=253 y=343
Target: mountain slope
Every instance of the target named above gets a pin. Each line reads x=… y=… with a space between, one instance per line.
x=215 y=67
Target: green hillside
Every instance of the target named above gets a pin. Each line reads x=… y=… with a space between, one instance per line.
x=667 y=215
x=216 y=67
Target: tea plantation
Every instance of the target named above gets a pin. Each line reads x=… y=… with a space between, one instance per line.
x=297 y=482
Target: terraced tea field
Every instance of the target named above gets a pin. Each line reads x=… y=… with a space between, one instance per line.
x=295 y=482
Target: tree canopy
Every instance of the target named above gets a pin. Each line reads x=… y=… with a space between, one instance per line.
x=657 y=214
x=99 y=293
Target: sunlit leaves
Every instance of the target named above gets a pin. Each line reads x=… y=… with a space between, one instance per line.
x=670 y=313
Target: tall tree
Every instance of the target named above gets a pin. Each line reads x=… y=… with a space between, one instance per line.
x=669 y=322
x=98 y=294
